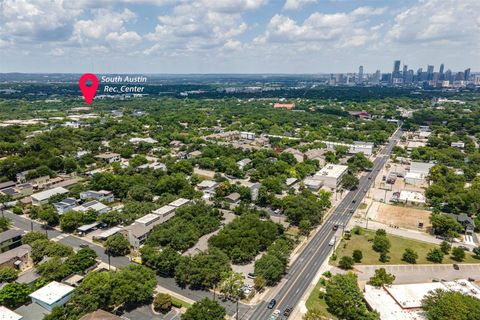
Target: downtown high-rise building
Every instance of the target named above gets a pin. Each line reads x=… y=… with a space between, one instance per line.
x=360 y=74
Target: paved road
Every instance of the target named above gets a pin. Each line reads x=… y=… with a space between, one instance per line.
x=304 y=269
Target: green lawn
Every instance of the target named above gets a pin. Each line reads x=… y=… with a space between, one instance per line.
x=183 y=303
x=363 y=242
x=314 y=302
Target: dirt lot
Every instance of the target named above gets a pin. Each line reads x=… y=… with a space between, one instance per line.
x=403 y=217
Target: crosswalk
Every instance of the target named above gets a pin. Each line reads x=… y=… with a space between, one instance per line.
x=59 y=237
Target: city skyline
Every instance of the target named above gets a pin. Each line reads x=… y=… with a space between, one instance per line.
x=236 y=36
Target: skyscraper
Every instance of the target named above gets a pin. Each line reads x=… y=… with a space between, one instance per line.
x=430 y=72
x=396 y=66
x=441 y=68
x=360 y=74
x=405 y=68
x=467 y=74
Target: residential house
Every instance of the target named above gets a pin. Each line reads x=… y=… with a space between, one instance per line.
x=102 y=195
x=10 y=239
x=95 y=205
x=65 y=205
x=233 y=197
x=7 y=314
x=298 y=155
x=54 y=294
x=467 y=222
x=18 y=258
x=243 y=163
x=100 y=315
x=43 y=197
x=180 y=202
x=109 y=157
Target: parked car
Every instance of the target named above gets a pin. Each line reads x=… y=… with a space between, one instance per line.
x=272 y=304
x=287 y=312
x=83 y=245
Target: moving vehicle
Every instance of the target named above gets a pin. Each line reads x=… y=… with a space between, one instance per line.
x=274 y=315
x=332 y=242
x=456 y=267
x=83 y=245
x=272 y=304
x=335 y=227
x=287 y=312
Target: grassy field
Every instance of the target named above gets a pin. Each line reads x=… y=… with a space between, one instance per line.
x=363 y=242
x=314 y=302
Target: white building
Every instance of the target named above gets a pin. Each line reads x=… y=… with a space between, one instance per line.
x=404 y=301
x=165 y=213
x=418 y=172
x=458 y=144
x=92 y=205
x=247 y=135
x=7 y=314
x=52 y=295
x=180 y=202
x=360 y=146
x=331 y=175
x=411 y=197
x=144 y=140
x=42 y=197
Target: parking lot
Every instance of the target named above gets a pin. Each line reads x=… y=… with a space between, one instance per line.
x=421 y=273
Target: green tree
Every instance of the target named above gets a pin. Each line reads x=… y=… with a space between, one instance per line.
x=162 y=302
x=231 y=285
x=8 y=274
x=445 y=225
x=476 y=251
x=441 y=305
x=458 y=254
x=117 y=245
x=435 y=255
x=381 y=243
x=445 y=247
x=4 y=223
x=349 y=181
x=381 y=278
x=345 y=300
x=48 y=215
x=357 y=255
x=32 y=236
x=14 y=295
x=410 y=256
x=346 y=263
x=205 y=309
x=71 y=220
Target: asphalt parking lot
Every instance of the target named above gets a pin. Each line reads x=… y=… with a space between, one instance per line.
x=422 y=273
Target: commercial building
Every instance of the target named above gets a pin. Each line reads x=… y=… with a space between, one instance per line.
x=331 y=175
x=52 y=295
x=165 y=213
x=359 y=146
x=42 y=197
x=411 y=197
x=180 y=202
x=418 y=172
x=288 y=106
x=404 y=301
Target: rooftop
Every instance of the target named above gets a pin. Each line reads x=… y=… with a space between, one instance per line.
x=7 y=314
x=332 y=170
x=164 y=210
x=14 y=253
x=179 y=202
x=44 y=195
x=52 y=292
x=10 y=234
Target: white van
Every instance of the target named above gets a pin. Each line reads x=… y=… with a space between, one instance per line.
x=332 y=242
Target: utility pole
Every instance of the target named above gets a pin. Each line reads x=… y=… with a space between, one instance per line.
x=108 y=254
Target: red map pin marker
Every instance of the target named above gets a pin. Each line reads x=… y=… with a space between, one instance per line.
x=88 y=91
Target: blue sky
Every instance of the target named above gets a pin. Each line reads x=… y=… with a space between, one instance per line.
x=236 y=36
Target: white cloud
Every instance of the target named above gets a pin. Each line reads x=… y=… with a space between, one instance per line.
x=297 y=4
x=343 y=29
x=106 y=27
x=36 y=20
x=437 y=21
x=197 y=26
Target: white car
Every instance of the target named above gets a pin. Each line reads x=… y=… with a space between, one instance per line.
x=275 y=315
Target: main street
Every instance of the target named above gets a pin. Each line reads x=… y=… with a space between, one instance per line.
x=303 y=270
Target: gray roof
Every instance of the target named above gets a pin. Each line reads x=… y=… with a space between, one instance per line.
x=10 y=234
x=7 y=184
x=16 y=252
